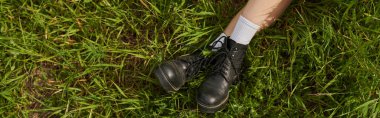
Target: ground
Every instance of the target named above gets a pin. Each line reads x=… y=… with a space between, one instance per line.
x=95 y=58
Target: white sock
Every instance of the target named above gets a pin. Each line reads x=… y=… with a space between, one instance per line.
x=244 y=31
x=218 y=44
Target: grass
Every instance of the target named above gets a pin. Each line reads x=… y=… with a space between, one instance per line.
x=94 y=58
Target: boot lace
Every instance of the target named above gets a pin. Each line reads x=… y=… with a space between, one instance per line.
x=220 y=57
x=195 y=66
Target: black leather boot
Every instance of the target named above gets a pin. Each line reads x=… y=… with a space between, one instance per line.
x=174 y=73
x=213 y=92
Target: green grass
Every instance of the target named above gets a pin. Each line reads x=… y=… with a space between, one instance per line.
x=94 y=58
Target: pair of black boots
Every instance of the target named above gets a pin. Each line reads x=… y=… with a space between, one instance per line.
x=213 y=93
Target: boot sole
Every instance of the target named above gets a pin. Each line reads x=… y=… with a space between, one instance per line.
x=212 y=109
x=162 y=77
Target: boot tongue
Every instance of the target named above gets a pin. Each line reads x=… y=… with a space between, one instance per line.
x=232 y=44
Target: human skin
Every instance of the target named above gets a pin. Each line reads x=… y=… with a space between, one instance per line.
x=260 y=12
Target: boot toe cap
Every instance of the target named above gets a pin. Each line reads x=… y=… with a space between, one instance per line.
x=210 y=100
x=170 y=76
x=212 y=93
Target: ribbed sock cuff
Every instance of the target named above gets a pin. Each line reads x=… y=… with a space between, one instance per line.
x=244 y=31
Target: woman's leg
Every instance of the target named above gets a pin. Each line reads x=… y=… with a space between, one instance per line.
x=228 y=30
x=260 y=12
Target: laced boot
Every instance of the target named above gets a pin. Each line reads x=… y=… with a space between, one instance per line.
x=213 y=93
x=175 y=73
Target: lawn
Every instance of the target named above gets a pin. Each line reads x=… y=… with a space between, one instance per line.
x=95 y=58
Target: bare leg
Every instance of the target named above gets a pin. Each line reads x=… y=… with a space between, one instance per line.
x=260 y=12
x=230 y=28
